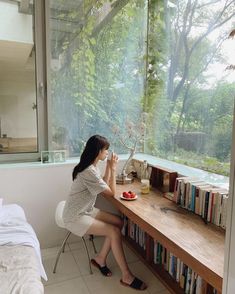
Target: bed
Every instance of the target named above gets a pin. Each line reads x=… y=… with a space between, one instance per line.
x=21 y=266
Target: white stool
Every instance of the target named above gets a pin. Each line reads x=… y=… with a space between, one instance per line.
x=60 y=223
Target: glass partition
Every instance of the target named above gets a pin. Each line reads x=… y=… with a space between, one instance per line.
x=97 y=70
x=190 y=89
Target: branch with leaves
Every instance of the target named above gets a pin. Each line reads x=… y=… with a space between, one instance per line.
x=134 y=135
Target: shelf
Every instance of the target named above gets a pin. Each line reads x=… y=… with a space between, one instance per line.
x=181 y=232
x=163 y=179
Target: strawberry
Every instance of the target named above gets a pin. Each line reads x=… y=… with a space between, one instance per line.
x=132 y=194
x=126 y=195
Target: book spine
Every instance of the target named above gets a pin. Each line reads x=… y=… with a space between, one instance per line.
x=209 y=207
x=207 y=195
x=197 y=201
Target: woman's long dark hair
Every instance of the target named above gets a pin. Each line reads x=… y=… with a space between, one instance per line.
x=89 y=154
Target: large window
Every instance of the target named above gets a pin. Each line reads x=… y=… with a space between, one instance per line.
x=98 y=62
x=190 y=94
x=109 y=62
x=18 y=105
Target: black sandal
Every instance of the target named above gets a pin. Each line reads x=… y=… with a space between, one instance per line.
x=136 y=284
x=103 y=269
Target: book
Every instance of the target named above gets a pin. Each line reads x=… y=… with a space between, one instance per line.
x=178 y=270
x=192 y=193
x=199 y=285
x=224 y=211
x=179 y=190
x=192 y=284
x=188 y=280
x=155 y=252
x=202 y=192
x=213 y=203
x=206 y=205
x=198 y=203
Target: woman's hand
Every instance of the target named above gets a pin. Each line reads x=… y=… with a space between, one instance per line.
x=113 y=161
x=112 y=165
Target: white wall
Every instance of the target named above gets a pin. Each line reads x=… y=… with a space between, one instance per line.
x=17 y=73
x=38 y=188
x=15 y=26
x=18 y=119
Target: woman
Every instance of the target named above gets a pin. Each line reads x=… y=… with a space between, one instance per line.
x=81 y=217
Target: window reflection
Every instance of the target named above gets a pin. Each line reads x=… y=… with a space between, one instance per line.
x=18 y=105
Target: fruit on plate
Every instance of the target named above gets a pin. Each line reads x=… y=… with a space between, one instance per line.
x=126 y=195
x=133 y=195
x=129 y=195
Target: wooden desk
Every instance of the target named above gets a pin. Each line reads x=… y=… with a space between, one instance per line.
x=198 y=245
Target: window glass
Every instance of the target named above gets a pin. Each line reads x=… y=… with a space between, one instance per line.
x=18 y=105
x=190 y=94
x=97 y=70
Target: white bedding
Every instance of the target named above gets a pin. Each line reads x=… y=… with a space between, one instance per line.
x=19 y=271
x=20 y=258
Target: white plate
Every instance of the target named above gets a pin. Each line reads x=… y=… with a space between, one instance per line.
x=128 y=199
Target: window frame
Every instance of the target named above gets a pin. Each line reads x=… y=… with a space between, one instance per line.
x=41 y=92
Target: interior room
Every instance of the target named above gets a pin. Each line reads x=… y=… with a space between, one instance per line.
x=155 y=79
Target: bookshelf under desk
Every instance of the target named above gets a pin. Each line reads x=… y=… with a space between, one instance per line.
x=199 y=245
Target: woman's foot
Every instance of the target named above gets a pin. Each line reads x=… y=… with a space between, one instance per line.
x=136 y=284
x=102 y=267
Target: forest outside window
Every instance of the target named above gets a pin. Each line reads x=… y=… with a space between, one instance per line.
x=190 y=94
x=97 y=69
x=111 y=62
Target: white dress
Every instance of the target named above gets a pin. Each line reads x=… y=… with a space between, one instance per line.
x=79 y=211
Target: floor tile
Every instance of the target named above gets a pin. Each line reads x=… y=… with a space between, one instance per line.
x=99 y=284
x=51 y=252
x=82 y=260
x=80 y=255
x=66 y=268
x=72 y=286
x=162 y=292
x=79 y=245
x=73 y=269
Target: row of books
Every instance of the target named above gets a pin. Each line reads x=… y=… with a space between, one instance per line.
x=188 y=280
x=134 y=232
x=208 y=201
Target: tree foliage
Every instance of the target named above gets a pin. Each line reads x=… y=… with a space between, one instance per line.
x=186 y=37
x=151 y=56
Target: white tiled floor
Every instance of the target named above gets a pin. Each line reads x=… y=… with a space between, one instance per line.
x=73 y=276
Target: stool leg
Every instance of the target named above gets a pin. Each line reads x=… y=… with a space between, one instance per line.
x=88 y=255
x=91 y=238
x=60 y=251
x=63 y=247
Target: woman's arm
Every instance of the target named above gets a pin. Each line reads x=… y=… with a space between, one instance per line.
x=106 y=177
x=112 y=178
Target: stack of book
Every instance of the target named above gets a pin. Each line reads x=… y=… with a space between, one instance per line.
x=134 y=232
x=188 y=280
x=206 y=200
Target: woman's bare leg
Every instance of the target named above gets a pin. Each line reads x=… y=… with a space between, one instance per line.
x=113 y=220
x=101 y=228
